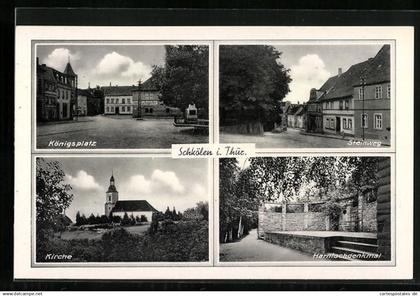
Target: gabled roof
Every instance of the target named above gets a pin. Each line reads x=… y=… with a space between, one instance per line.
x=133 y=206
x=148 y=85
x=374 y=70
x=300 y=111
x=69 y=70
x=118 y=90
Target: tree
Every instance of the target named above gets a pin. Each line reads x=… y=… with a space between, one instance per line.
x=143 y=218
x=184 y=78
x=78 y=219
x=52 y=194
x=125 y=220
x=252 y=84
x=168 y=214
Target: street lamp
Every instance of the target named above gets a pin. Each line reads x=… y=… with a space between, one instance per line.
x=363 y=83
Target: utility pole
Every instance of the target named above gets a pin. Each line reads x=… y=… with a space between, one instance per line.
x=364 y=119
x=138 y=100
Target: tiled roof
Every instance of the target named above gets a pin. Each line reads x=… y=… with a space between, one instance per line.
x=374 y=70
x=148 y=85
x=118 y=90
x=133 y=206
x=69 y=70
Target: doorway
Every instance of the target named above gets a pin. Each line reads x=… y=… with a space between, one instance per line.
x=338 y=124
x=117 y=110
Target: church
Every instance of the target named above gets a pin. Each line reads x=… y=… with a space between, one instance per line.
x=131 y=207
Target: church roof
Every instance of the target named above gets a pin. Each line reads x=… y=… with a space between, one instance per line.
x=133 y=206
x=112 y=188
x=69 y=70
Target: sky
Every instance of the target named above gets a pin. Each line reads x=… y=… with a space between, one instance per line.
x=102 y=64
x=311 y=65
x=162 y=181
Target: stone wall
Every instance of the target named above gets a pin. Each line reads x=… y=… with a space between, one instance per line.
x=357 y=215
x=384 y=209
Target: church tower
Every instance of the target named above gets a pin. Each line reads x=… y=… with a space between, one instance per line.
x=111 y=196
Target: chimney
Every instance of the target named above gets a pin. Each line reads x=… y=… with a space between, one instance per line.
x=340 y=71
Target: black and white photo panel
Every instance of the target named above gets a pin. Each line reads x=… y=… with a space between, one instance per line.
x=307 y=95
x=332 y=209
x=120 y=96
x=120 y=209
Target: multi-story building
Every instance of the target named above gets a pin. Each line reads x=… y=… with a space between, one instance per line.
x=363 y=89
x=56 y=93
x=313 y=112
x=127 y=99
x=372 y=100
x=90 y=101
x=150 y=103
x=118 y=99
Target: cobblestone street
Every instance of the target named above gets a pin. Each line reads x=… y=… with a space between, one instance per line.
x=118 y=132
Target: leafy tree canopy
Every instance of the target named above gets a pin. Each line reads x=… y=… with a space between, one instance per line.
x=184 y=78
x=52 y=193
x=252 y=83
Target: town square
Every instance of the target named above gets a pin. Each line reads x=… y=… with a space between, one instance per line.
x=142 y=98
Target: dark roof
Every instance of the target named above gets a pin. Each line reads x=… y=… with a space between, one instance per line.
x=69 y=70
x=118 y=90
x=374 y=70
x=85 y=92
x=300 y=111
x=148 y=85
x=46 y=72
x=133 y=206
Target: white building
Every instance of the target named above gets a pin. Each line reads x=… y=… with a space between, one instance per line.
x=118 y=99
x=121 y=207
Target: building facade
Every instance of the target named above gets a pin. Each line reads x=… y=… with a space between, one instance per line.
x=118 y=99
x=372 y=100
x=355 y=103
x=313 y=112
x=146 y=98
x=90 y=101
x=56 y=93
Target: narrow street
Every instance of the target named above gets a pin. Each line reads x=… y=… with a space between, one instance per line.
x=292 y=138
x=252 y=249
x=118 y=132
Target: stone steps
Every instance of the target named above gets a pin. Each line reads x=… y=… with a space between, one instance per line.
x=367 y=247
x=355 y=255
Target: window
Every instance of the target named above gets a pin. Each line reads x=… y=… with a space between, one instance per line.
x=116 y=101
x=123 y=101
x=326 y=105
x=346 y=104
x=378 y=92
x=364 y=120
x=112 y=101
x=378 y=121
x=350 y=123
x=360 y=93
x=128 y=108
x=341 y=105
x=107 y=101
x=112 y=109
x=123 y=108
x=345 y=123
x=128 y=101
x=388 y=91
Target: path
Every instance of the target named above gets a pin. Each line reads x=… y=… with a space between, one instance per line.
x=252 y=249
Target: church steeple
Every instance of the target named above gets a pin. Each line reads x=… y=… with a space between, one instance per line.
x=111 y=196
